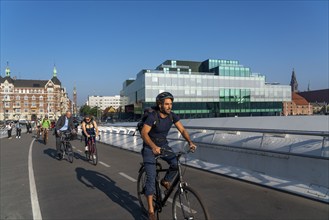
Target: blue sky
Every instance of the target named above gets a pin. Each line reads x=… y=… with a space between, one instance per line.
x=97 y=45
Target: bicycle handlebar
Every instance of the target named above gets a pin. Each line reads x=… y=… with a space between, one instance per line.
x=92 y=135
x=177 y=154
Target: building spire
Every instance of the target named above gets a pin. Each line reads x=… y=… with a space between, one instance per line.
x=293 y=82
x=55 y=71
x=309 y=86
x=7 y=70
x=75 y=104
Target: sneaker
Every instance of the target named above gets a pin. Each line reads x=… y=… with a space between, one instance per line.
x=152 y=216
x=16 y=136
x=94 y=156
x=165 y=184
x=19 y=137
x=86 y=149
x=10 y=138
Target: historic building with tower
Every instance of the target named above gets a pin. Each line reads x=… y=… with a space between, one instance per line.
x=32 y=99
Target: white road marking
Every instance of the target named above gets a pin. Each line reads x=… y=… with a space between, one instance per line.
x=33 y=190
x=128 y=177
x=80 y=151
x=104 y=164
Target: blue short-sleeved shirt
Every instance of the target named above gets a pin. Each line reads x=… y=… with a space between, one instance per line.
x=162 y=127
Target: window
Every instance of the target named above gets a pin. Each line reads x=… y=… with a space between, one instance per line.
x=173 y=63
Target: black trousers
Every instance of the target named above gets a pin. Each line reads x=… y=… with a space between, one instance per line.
x=9 y=133
x=18 y=132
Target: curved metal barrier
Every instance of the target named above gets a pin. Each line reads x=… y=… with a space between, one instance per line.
x=288 y=160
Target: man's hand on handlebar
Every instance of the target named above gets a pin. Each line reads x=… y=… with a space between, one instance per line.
x=156 y=150
x=192 y=147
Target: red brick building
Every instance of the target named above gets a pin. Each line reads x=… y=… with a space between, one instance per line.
x=297 y=106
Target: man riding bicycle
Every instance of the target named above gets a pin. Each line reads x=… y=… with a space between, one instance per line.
x=89 y=127
x=64 y=123
x=155 y=139
x=45 y=124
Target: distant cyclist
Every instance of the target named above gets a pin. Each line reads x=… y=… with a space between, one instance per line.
x=45 y=123
x=154 y=139
x=38 y=127
x=45 y=126
x=89 y=127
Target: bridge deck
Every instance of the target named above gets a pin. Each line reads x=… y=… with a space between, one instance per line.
x=108 y=191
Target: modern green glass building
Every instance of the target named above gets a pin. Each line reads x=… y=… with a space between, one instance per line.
x=212 y=88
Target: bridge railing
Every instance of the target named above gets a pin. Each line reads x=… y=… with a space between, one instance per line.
x=291 y=142
x=290 y=160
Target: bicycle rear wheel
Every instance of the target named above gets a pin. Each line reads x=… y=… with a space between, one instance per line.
x=188 y=205
x=69 y=151
x=94 y=154
x=45 y=137
x=141 y=180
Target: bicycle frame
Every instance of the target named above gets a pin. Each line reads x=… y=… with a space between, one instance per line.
x=65 y=141
x=186 y=203
x=178 y=179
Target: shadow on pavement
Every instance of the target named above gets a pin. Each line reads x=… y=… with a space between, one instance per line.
x=51 y=153
x=102 y=182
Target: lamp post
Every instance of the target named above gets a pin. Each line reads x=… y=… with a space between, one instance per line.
x=4 y=110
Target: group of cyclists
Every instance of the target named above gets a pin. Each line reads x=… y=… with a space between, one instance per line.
x=65 y=122
x=154 y=141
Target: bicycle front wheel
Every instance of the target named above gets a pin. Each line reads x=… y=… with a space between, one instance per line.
x=94 y=154
x=45 y=138
x=187 y=204
x=70 y=153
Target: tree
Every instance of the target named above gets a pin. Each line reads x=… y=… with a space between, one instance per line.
x=85 y=110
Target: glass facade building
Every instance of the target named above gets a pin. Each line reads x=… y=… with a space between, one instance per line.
x=212 y=88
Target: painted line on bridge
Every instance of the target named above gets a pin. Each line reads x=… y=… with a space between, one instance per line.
x=128 y=177
x=104 y=164
x=33 y=190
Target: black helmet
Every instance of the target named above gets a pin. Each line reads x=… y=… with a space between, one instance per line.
x=164 y=95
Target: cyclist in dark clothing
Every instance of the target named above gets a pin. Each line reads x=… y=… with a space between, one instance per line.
x=154 y=139
x=89 y=127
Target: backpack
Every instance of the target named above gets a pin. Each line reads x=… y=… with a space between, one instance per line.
x=150 y=110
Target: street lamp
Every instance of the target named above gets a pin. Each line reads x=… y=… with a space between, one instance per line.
x=4 y=110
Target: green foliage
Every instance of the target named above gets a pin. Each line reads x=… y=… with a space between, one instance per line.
x=87 y=110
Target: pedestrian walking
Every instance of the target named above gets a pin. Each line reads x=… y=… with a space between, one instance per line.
x=28 y=127
x=18 y=129
x=9 y=128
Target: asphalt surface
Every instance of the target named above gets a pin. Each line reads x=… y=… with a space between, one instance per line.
x=80 y=190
